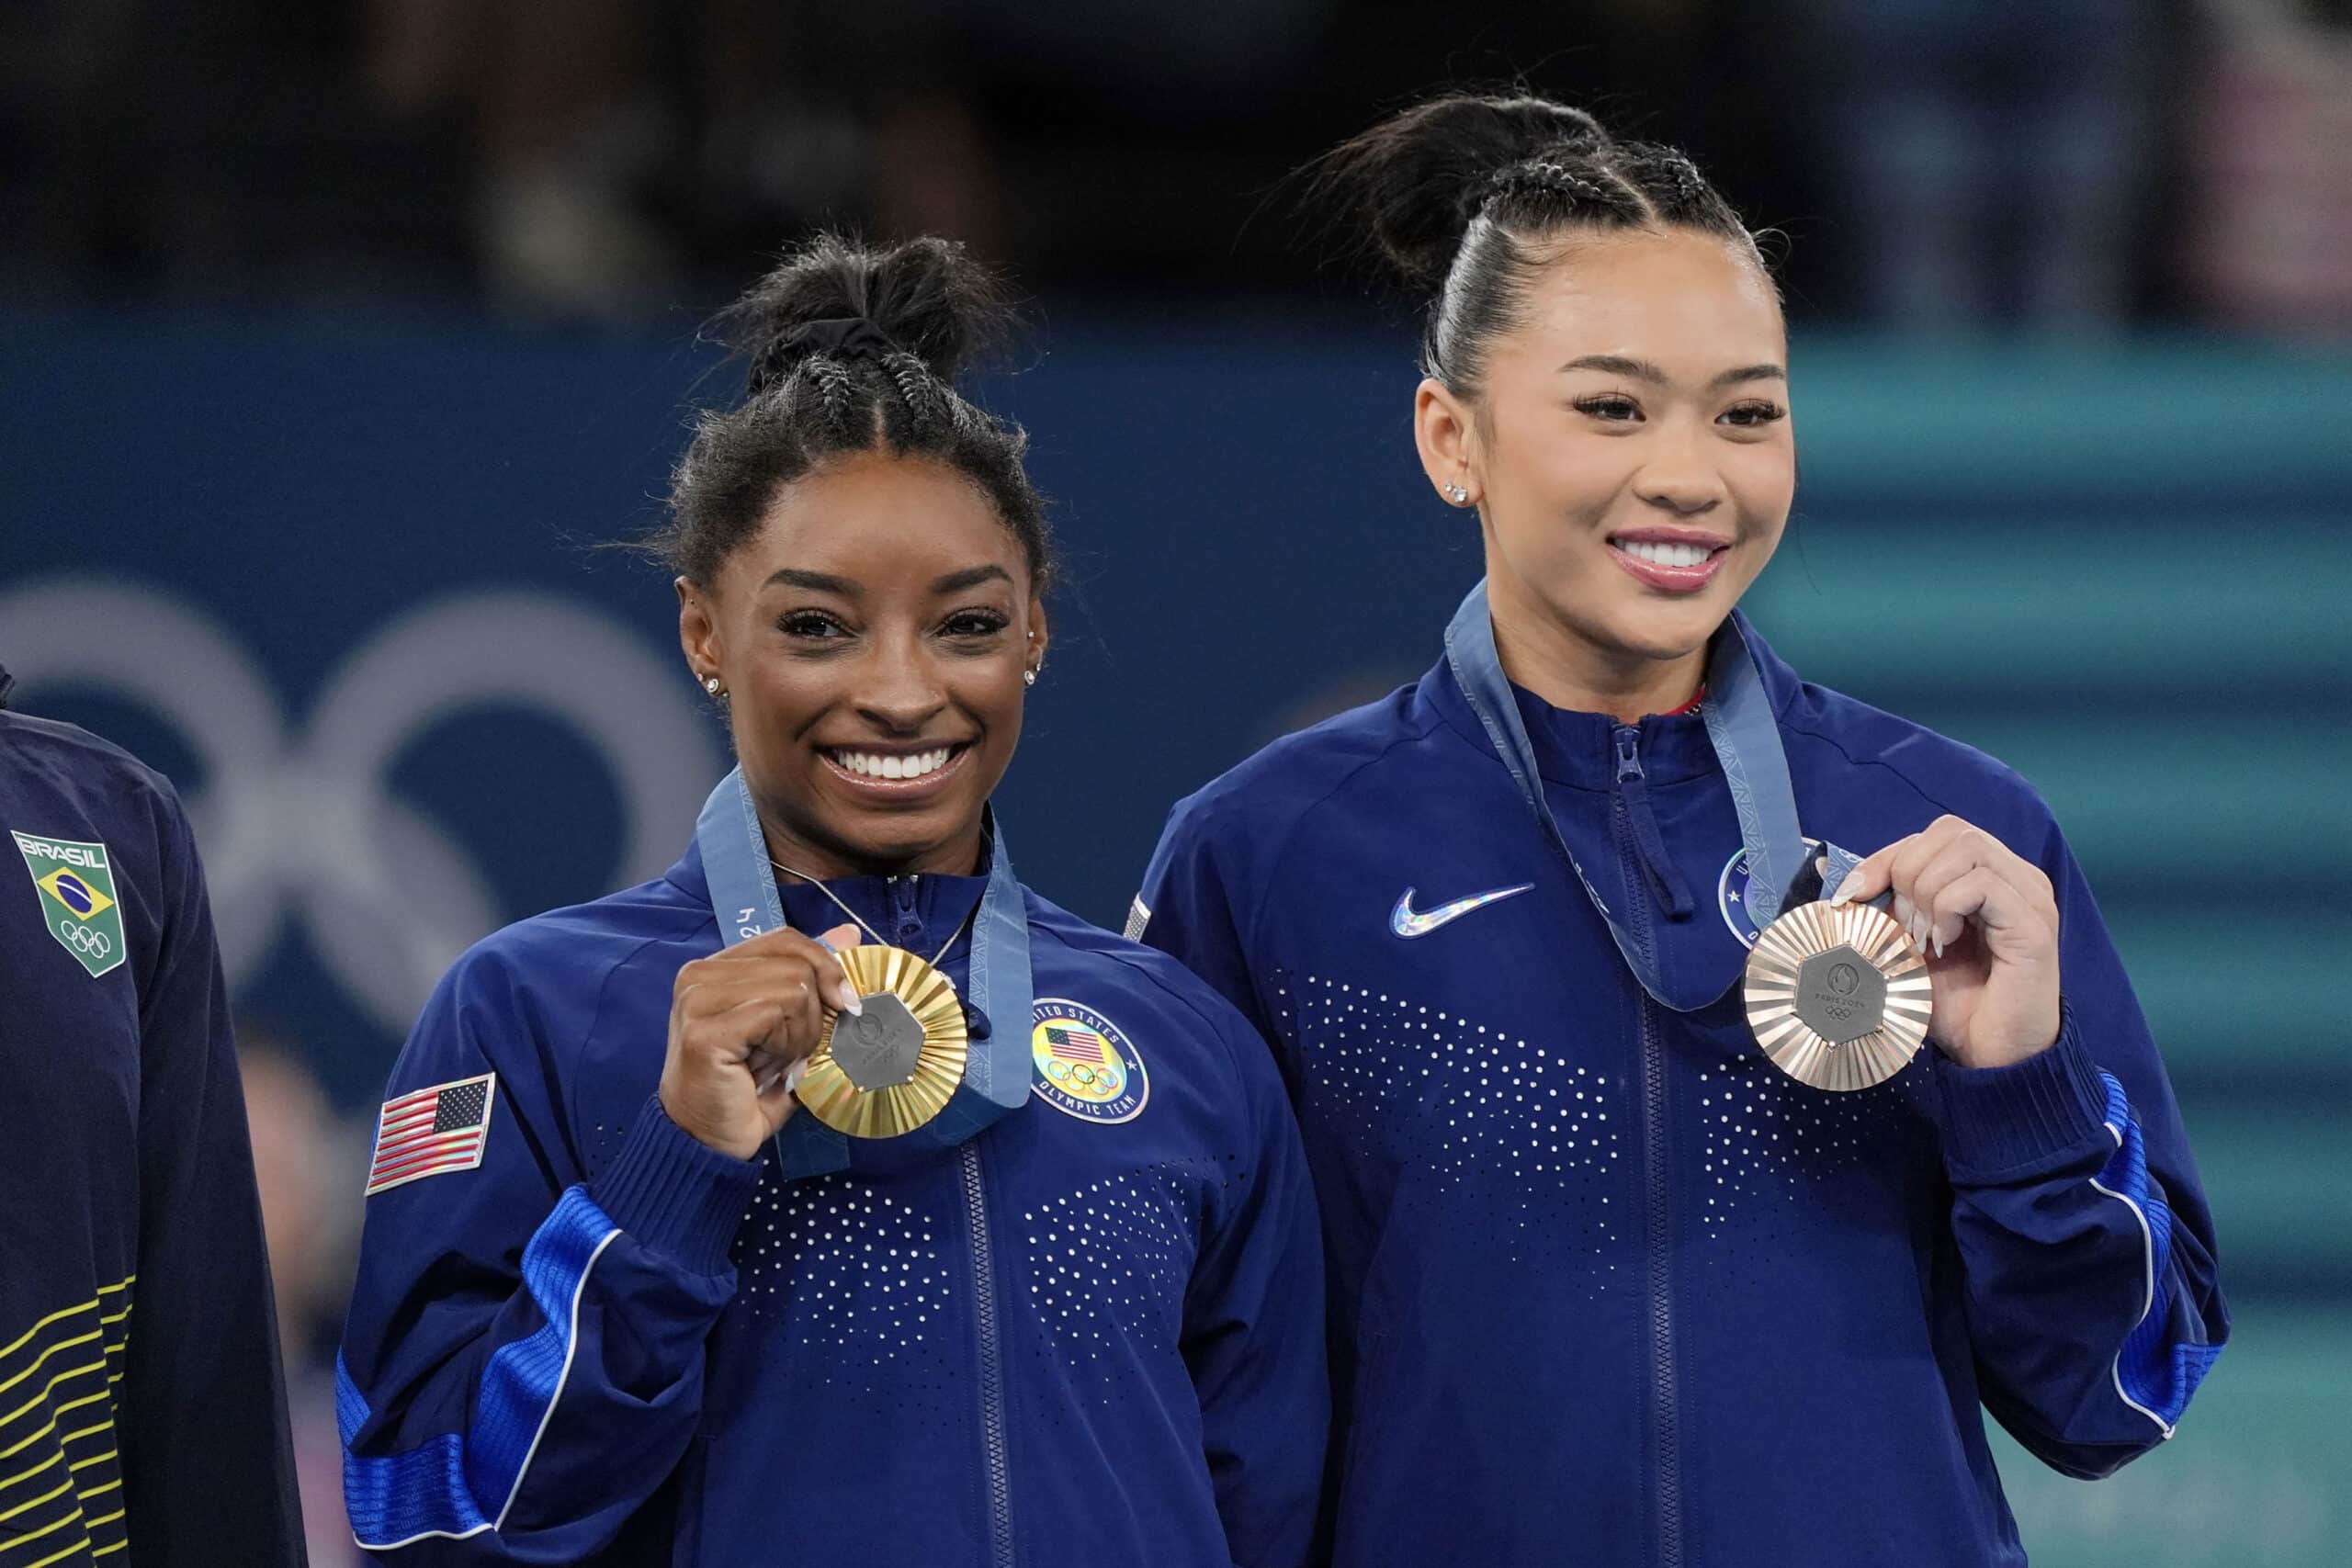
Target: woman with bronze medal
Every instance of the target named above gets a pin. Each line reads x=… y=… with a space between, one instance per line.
x=1720 y=1092
x=833 y=1198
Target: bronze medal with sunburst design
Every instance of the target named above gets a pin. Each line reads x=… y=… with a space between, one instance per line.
x=1838 y=995
x=895 y=1065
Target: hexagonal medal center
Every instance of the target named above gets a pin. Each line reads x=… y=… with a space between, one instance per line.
x=877 y=1047
x=1840 y=994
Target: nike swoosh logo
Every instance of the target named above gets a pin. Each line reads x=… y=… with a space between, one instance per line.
x=1405 y=923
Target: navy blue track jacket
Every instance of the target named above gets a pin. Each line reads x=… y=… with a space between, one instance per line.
x=142 y=1412
x=1606 y=1287
x=1091 y=1334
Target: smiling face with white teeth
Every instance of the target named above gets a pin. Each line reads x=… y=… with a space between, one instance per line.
x=871 y=636
x=1629 y=451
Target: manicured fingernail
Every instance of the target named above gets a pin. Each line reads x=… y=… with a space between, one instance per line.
x=846 y=995
x=792 y=1074
x=1937 y=942
x=1920 y=930
x=1903 y=911
x=1846 y=888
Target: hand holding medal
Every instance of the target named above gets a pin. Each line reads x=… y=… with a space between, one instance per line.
x=739 y=1021
x=1841 y=994
x=1986 y=922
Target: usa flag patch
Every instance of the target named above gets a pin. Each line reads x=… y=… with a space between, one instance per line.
x=431 y=1132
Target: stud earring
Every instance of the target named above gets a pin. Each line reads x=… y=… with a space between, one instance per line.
x=1029 y=676
x=1456 y=494
x=710 y=685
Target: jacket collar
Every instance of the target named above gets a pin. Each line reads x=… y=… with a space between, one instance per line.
x=918 y=912
x=1578 y=749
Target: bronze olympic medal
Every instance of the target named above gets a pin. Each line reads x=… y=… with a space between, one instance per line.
x=894 y=1064
x=1838 y=995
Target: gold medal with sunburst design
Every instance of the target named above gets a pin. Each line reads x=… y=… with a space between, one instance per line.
x=894 y=1066
x=1838 y=995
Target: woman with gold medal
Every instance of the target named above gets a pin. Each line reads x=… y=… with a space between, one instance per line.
x=1676 y=1213
x=834 y=1199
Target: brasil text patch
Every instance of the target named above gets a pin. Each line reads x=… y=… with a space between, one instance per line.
x=79 y=902
x=1086 y=1067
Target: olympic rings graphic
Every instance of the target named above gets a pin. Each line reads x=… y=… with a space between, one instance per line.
x=302 y=822
x=1092 y=1082
x=81 y=939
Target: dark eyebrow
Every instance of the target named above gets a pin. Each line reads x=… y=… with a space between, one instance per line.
x=818 y=582
x=1643 y=370
x=1618 y=365
x=970 y=577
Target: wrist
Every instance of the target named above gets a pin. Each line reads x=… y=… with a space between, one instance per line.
x=2044 y=1109
x=675 y=1193
x=2002 y=1053
x=2005 y=1035
x=717 y=1134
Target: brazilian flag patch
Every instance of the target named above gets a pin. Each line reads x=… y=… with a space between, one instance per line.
x=78 y=899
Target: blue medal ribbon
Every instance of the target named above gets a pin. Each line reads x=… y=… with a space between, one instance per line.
x=1747 y=740
x=744 y=897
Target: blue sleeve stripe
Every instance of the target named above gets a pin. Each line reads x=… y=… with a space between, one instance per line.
x=440 y=1487
x=2152 y=1375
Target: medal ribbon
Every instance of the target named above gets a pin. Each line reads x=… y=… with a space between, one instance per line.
x=744 y=897
x=1746 y=739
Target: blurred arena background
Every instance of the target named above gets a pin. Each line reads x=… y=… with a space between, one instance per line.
x=337 y=338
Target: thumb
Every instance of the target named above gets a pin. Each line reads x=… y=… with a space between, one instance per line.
x=778 y=1102
x=1869 y=878
x=834 y=942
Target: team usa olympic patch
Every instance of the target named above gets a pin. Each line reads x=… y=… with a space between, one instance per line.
x=431 y=1132
x=1086 y=1067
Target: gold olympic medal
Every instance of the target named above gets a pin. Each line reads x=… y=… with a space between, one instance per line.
x=1838 y=995
x=895 y=1065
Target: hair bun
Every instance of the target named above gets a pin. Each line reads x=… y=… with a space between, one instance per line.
x=1418 y=178
x=836 y=298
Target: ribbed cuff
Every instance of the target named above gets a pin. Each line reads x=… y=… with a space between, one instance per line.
x=674 y=1195
x=2002 y=1121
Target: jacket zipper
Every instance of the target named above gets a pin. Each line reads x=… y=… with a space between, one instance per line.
x=1633 y=786
x=903 y=911
x=994 y=1450
x=1666 y=1451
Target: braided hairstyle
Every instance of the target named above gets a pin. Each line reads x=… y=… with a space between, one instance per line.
x=1460 y=194
x=851 y=350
